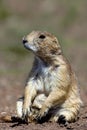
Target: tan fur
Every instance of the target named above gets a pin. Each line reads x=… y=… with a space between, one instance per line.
x=52 y=76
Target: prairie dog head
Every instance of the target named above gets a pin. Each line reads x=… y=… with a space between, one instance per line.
x=43 y=44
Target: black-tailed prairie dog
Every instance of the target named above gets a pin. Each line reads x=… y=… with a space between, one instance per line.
x=51 y=84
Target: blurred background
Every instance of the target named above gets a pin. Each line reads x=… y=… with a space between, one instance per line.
x=66 y=19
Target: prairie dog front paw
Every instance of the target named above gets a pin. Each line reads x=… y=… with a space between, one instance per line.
x=42 y=114
x=25 y=113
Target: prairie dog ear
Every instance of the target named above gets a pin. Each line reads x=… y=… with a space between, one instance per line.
x=59 y=50
x=55 y=40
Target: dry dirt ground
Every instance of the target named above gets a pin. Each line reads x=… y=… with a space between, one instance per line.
x=7 y=106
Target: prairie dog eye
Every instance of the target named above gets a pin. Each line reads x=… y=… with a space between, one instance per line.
x=42 y=36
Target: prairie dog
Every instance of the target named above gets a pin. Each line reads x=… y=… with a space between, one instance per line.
x=52 y=76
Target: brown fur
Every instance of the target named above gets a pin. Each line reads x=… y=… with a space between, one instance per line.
x=52 y=76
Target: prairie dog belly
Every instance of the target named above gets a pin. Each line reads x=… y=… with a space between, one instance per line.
x=43 y=87
x=45 y=79
x=39 y=85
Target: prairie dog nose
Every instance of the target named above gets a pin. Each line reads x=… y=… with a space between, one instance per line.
x=24 y=40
